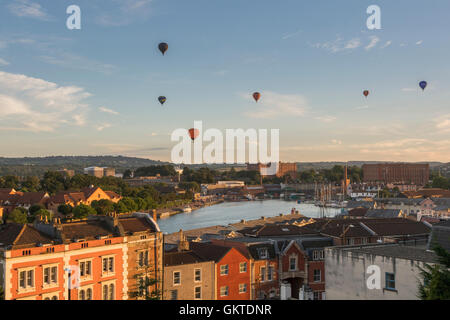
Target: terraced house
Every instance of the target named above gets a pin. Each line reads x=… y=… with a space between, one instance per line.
x=93 y=259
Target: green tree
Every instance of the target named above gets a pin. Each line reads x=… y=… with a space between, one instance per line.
x=83 y=211
x=35 y=208
x=120 y=207
x=53 y=182
x=147 y=286
x=43 y=213
x=65 y=209
x=103 y=206
x=18 y=216
x=129 y=204
x=436 y=278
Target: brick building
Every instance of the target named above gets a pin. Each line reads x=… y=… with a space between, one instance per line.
x=188 y=276
x=263 y=265
x=37 y=262
x=232 y=270
x=284 y=168
x=403 y=173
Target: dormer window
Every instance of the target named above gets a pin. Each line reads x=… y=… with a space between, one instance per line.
x=263 y=254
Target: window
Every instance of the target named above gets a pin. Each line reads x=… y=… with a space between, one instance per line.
x=292 y=263
x=390 y=281
x=224 y=270
x=317 y=275
x=270 y=274
x=50 y=296
x=111 y=291
x=364 y=240
x=26 y=279
x=85 y=268
x=350 y=241
x=263 y=274
x=198 y=292
x=316 y=295
x=143 y=258
x=316 y=255
x=263 y=254
x=108 y=291
x=50 y=276
x=108 y=265
x=197 y=275
x=242 y=288
x=243 y=267
x=177 y=278
x=224 y=291
x=173 y=294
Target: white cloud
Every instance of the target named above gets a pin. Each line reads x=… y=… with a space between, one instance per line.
x=33 y=104
x=27 y=8
x=362 y=108
x=127 y=12
x=73 y=61
x=443 y=123
x=104 y=109
x=338 y=45
x=103 y=126
x=326 y=119
x=274 y=104
x=373 y=42
x=290 y=35
x=419 y=42
x=387 y=44
x=3 y=62
x=408 y=89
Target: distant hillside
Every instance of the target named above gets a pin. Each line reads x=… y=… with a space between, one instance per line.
x=302 y=166
x=38 y=166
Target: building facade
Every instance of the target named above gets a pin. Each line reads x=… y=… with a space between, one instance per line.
x=404 y=173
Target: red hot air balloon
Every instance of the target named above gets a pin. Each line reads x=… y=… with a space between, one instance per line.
x=256 y=96
x=163 y=47
x=193 y=133
x=366 y=93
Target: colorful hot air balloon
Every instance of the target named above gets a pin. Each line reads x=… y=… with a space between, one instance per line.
x=163 y=47
x=162 y=100
x=256 y=96
x=423 y=84
x=193 y=133
x=366 y=93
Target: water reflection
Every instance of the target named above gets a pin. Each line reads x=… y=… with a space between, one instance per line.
x=232 y=212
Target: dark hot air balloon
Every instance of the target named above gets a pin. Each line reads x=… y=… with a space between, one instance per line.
x=366 y=93
x=256 y=96
x=193 y=133
x=162 y=100
x=423 y=84
x=163 y=47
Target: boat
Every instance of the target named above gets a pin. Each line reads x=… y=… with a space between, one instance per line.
x=187 y=209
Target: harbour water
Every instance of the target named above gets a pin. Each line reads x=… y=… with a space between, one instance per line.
x=232 y=212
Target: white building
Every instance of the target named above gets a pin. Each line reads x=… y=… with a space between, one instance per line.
x=374 y=272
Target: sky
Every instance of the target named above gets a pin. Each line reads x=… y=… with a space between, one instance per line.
x=94 y=91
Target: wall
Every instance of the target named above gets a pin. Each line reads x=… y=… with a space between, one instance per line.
x=346 y=276
x=185 y=290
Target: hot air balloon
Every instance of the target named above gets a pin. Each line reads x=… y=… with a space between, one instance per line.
x=423 y=84
x=163 y=47
x=256 y=96
x=193 y=133
x=366 y=93
x=162 y=100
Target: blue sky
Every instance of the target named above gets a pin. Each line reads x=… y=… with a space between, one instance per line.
x=94 y=91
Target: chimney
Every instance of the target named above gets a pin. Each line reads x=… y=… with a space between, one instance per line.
x=154 y=215
x=293 y=211
x=243 y=221
x=263 y=218
x=183 y=244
